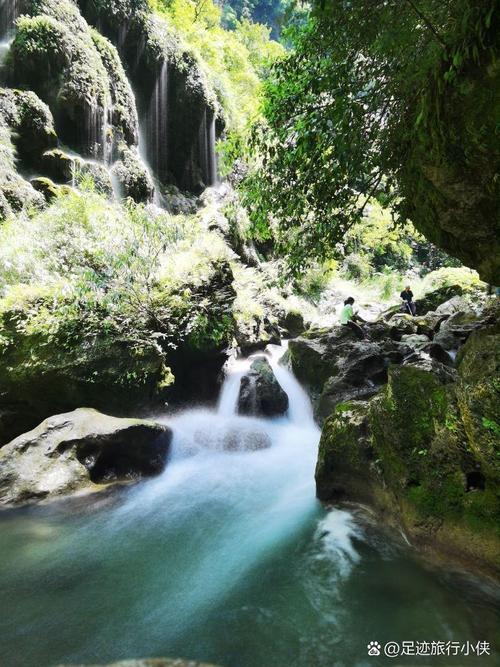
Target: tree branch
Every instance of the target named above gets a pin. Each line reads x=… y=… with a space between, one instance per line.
x=428 y=24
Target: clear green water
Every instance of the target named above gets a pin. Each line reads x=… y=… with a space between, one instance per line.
x=226 y=558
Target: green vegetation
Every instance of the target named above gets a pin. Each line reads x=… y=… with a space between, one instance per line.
x=233 y=60
x=385 y=100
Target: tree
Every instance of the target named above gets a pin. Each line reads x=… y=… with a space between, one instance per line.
x=355 y=110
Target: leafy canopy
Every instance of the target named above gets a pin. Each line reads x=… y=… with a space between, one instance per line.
x=363 y=81
x=234 y=60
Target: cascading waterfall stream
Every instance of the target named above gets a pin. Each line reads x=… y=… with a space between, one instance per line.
x=226 y=557
x=9 y=12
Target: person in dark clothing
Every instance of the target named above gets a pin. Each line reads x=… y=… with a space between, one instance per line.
x=348 y=317
x=408 y=303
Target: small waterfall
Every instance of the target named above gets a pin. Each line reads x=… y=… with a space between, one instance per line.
x=107 y=136
x=156 y=125
x=228 y=399
x=203 y=149
x=300 y=410
x=4 y=50
x=98 y=143
x=213 y=175
x=9 y=11
x=206 y=148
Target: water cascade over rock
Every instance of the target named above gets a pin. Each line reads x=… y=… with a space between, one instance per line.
x=155 y=125
x=9 y=11
x=226 y=557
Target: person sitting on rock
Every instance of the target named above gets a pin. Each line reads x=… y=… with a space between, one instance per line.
x=409 y=305
x=348 y=318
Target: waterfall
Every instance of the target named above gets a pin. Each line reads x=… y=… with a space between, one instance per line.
x=107 y=136
x=203 y=149
x=300 y=410
x=4 y=50
x=9 y=11
x=213 y=176
x=206 y=148
x=233 y=559
x=156 y=125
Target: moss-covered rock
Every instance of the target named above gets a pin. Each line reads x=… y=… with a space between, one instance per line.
x=73 y=362
x=132 y=176
x=78 y=73
x=478 y=395
x=431 y=300
x=424 y=453
x=260 y=392
x=313 y=360
x=16 y=194
x=64 y=68
x=31 y=123
x=346 y=462
x=46 y=187
x=450 y=175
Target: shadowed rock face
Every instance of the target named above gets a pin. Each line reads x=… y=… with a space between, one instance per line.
x=260 y=392
x=450 y=173
x=75 y=450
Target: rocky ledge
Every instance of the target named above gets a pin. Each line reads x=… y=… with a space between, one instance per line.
x=422 y=445
x=80 y=451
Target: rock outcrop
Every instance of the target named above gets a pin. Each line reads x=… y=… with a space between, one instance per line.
x=336 y=366
x=77 y=451
x=450 y=186
x=424 y=452
x=260 y=392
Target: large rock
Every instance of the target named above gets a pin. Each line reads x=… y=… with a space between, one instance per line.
x=432 y=300
x=361 y=369
x=336 y=366
x=132 y=176
x=424 y=453
x=314 y=356
x=76 y=450
x=454 y=331
x=260 y=392
x=346 y=463
x=31 y=123
x=40 y=375
x=450 y=184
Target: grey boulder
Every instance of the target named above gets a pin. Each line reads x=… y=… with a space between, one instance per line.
x=77 y=451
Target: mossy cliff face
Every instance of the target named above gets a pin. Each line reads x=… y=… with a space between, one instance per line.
x=425 y=453
x=451 y=186
x=77 y=72
x=58 y=353
x=175 y=100
x=74 y=363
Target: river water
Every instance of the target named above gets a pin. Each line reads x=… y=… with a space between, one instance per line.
x=227 y=557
